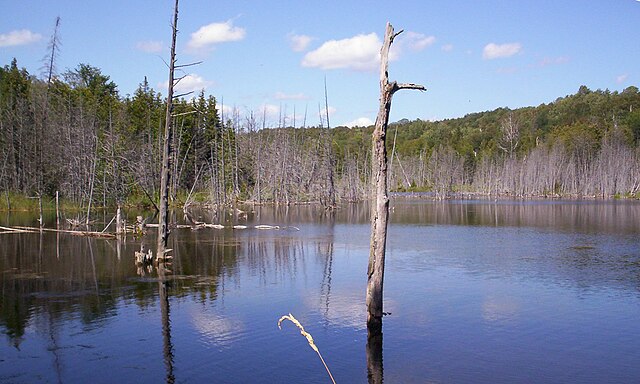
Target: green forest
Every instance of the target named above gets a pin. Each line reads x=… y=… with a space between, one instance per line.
x=77 y=135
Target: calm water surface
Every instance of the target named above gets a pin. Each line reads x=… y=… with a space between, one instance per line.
x=479 y=292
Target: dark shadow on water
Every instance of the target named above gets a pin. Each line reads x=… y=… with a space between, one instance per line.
x=167 y=349
x=374 y=359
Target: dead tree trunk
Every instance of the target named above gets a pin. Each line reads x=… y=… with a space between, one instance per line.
x=331 y=203
x=380 y=210
x=163 y=229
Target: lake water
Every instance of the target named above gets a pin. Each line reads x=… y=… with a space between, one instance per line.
x=478 y=291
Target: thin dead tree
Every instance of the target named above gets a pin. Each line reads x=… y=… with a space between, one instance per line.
x=380 y=210
x=328 y=153
x=166 y=170
x=163 y=228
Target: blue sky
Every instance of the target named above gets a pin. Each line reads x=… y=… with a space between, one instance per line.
x=273 y=56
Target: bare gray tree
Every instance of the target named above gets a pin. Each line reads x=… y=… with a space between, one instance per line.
x=380 y=210
x=163 y=229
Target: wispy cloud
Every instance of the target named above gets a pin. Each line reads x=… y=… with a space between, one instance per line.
x=270 y=111
x=332 y=111
x=553 y=61
x=622 y=78
x=418 y=41
x=19 y=37
x=293 y=96
x=299 y=43
x=215 y=33
x=447 y=47
x=359 y=122
x=495 y=51
x=507 y=70
x=279 y=115
x=150 y=46
x=224 y=109
x=360 y=53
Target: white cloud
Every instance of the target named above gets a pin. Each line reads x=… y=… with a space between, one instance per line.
x=21 y=37
x=225 y=110
x=622 y=78
x=293 y=96
x=278 y=114
x=332 y=111
x=495 y=51
x=270 y=111
x=418 y=41
x=359 y=122
x=299 y=42
x=150 y=46
x=447 y=47
x=360 y=53
x=553 y=61
x=215 y=33
x=190 y=83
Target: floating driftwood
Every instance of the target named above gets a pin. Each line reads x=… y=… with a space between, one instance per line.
x=15 y=230
x=71 y=232
x=138 y=229
x=199 y=225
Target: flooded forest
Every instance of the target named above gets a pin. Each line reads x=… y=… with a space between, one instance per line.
x=75 y=133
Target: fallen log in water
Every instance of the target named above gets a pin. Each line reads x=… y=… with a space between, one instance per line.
x=15 y=230
x=200 y=225
x=71 y=232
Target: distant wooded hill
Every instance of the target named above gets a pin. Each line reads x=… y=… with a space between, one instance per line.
x=76 y=134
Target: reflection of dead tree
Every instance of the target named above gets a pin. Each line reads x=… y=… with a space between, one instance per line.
x=380 y=211
x=143 y=256
x=166 y=323
x=374 y=359
x=326 y=251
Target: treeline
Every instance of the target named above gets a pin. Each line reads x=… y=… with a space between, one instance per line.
x=582 y=145
x=76 y=134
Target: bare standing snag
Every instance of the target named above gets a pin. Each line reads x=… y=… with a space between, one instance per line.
x=380 y=211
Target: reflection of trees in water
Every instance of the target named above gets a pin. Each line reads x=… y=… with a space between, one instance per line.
x=36 y=282
x=282 y=257
x=580 y=216
x=584 y=243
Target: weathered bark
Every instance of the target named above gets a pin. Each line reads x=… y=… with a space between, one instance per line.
x=380 y=210
x=163 y=230
x=57 y=210
x=119 y=226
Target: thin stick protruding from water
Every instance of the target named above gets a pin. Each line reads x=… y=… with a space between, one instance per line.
x=309 y=338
